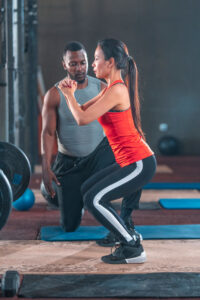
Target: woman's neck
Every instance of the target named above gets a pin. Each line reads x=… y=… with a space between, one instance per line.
x=113 y=76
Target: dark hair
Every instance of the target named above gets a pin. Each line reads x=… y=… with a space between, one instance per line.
x=73 y=46
x=118 y=50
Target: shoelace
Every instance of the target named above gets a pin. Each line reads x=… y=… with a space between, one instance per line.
x=118 y=249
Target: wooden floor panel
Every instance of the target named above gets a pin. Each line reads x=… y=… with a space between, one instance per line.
x=20 y=248
x=38 y=257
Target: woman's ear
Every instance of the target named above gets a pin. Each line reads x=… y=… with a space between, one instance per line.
x=111 y=62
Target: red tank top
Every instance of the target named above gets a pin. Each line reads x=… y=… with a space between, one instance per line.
x=126 y=143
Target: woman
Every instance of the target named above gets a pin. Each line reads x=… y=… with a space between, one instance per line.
x=118 y=111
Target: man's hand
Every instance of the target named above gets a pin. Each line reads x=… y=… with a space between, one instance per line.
x=48 y=177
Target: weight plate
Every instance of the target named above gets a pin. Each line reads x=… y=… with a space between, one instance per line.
x=5 y=199
x=10 y=283
x=16 y=167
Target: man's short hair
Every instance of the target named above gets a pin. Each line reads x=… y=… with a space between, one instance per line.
x=73 y=46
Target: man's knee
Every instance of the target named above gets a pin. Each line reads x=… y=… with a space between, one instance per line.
x=70 y=226
x=88 y=201
x=83 y=188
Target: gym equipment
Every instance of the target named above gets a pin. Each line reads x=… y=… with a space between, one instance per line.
x=148 y=232
x=53 y=202
x=172 y=185
x=83 y=233
x=186 y=231
x=15 y=174
x=6 y=197
x=16 y=166
x=169 y=145
x=180 y=203
x=25 y=202
x=10 y=283
x=147 y=285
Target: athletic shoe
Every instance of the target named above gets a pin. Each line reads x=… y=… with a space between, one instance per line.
x=110 y=239
x=126 y=254
x=131 y=227
x=52 y=202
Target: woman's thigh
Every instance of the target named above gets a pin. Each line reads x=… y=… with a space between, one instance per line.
x=120 y=182
x=95 y=178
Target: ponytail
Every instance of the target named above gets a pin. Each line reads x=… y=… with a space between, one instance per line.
x=119 y=51
x=131 y=80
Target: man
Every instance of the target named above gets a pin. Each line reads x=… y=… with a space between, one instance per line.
x=82 y=150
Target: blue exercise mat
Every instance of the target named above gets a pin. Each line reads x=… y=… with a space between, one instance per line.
x=149 y=232
x=180 y=203
x=83 y=233
x=172 y=185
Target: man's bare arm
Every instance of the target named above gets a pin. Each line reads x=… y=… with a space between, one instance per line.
x=48 y=136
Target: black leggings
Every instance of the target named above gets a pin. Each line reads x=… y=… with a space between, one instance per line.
x=72 y=172
x=115 y=182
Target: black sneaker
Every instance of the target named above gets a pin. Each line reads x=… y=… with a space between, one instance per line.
x=131 y=227
x=135 y=233
x=52 y=202
x=108 y=241
x=126 y=254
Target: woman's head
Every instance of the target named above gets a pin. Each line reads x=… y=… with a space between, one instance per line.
x=112 y=50
x=108 y=54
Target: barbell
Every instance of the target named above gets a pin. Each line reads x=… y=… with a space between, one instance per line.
x=15 y=172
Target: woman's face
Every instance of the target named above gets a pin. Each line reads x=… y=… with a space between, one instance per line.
x=100 y=65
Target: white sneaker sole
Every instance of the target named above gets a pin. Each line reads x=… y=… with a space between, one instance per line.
x=137 y=260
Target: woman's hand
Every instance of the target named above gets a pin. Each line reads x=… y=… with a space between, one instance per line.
x=68 y=86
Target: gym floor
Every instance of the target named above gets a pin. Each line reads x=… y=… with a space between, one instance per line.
x=21 y=248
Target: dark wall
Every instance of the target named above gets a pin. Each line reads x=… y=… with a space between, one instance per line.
x=164 y=38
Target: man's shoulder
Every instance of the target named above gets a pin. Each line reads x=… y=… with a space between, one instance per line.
x=52 y=91
x=52 y=96
x=93 y=80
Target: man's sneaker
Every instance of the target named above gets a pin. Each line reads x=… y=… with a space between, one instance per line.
x=108 y=241
x=52 y=202
x=126 y=254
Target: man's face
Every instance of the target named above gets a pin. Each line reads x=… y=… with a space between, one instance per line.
x=76 y=64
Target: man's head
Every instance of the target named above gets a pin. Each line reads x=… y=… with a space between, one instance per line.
x=75 y=61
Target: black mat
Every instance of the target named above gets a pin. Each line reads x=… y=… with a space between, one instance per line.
x=152 y=285
x=149 y=205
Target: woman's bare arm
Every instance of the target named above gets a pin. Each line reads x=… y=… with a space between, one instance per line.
x=93 y=100
x=114 y=96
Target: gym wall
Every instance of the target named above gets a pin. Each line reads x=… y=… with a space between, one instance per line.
x=162 y=35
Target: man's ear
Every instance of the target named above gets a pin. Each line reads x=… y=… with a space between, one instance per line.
x=64 y=65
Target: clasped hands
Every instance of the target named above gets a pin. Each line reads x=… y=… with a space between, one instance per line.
x=68 y=86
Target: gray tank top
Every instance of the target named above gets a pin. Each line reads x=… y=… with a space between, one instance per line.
x=75 y=140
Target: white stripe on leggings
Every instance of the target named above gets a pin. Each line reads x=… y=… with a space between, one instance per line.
x=107 y=214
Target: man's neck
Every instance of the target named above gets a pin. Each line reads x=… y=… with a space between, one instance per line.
x=83 y=85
